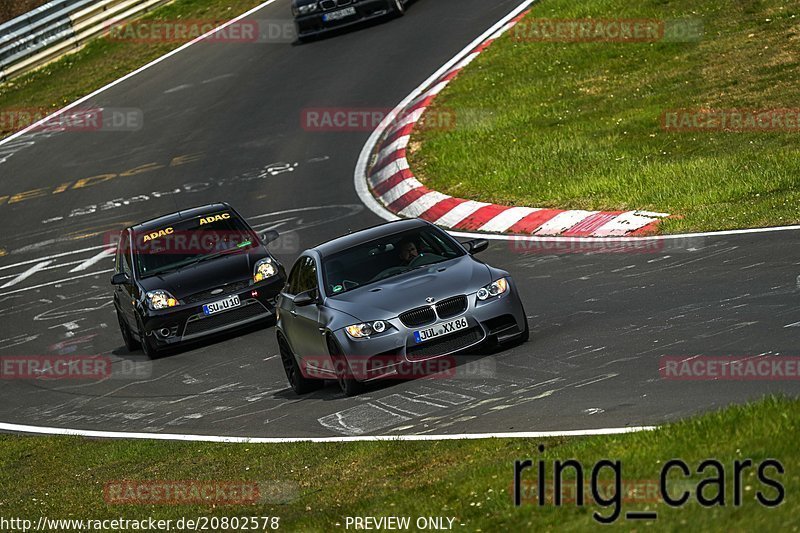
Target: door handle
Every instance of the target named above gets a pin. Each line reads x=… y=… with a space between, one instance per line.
x=294 y=313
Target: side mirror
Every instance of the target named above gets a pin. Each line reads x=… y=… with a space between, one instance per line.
x=269 y=236
x=305 y=298
x=120 y=278
x=476 y=245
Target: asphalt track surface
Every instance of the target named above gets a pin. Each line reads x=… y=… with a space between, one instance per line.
x=222 y=121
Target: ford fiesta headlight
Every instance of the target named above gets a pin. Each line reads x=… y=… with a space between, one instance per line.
x=160 y=299
x=264 y=269
x=359 y=331
x=493 y=289
x=307 y=8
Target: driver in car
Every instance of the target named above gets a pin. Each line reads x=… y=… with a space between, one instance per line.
x=407 y=249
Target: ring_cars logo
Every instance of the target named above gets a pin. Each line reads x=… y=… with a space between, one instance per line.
x=214 y=218
x=157 y=234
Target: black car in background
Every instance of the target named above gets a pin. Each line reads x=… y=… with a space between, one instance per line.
x=190 y=274
x=315 y=17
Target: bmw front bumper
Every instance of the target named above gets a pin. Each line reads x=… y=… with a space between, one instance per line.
x=499 y=318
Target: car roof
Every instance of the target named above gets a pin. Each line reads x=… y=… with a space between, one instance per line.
x=365 y=235
x=173 y=218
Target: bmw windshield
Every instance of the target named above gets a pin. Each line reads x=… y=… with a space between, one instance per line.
x=187 y=242
x=387 y=257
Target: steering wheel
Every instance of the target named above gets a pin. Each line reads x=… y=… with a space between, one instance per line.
x=417 y=261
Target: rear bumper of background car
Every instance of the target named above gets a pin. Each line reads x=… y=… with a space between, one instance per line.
x=186 y=322
x=314 y=23
x=501 y=318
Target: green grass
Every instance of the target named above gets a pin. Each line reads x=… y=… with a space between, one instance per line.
x=104 y=60
x=64 y=477
x=577 y=125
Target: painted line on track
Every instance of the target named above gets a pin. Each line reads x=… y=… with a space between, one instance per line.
x=18 y=428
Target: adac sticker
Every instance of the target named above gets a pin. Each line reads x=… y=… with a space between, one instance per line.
x=214 y=218
x=157 y=234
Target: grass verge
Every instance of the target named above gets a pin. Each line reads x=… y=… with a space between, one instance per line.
x=578 y=124
x=102 y=61
x=319 y=485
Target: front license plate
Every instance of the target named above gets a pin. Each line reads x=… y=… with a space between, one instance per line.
x=336 y=15
x=223 y=305
x=437 y=330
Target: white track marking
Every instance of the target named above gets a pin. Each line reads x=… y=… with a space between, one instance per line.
x=397 y=144
x=422 y=204
x=56 y=282
x=92 y=260
x=26 y=274
x=563 y=221
x=399 y=190
x=459 y=212
x=508 y=218
x=54 y=256
x=388 y=171
x=18 y=428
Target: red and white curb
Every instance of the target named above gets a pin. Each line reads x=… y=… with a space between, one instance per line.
x=392 y=182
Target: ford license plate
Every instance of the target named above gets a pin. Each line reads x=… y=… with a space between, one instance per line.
x=437 y=330
x=336 y=15
x=223 y=305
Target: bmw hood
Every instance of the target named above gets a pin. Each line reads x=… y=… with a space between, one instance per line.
x=388 y=298
x=206 y=275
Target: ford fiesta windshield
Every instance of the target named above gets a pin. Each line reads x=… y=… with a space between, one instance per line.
x=387 y=257
x=188 y=242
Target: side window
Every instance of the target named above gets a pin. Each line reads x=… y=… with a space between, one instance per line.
x=303 y=276
x=123 y=259
x=308 y=276
x=294 y=275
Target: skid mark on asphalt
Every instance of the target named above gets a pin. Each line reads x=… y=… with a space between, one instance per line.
x=361 y=419
x=436 y=406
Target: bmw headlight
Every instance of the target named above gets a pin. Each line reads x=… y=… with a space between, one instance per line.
x=307 y=8
x=359 y=331
x=264 y=269
x=160 y=299
x=495 y=288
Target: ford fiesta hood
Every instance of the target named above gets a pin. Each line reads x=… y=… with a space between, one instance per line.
x=388 y=298
x=207 y=275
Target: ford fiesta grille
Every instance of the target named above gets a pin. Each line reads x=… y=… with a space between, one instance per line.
x=451 y=306
x=418 y=317
x=207 y=295
x=249 y=310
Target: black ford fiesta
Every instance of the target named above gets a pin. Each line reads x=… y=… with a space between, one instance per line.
x=192 y=273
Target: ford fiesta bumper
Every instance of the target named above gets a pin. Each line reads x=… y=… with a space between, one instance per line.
x=319 y=23
x=187 y=322
x=500 y=318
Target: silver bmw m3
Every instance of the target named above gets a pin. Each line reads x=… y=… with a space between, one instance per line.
x=363 y=306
